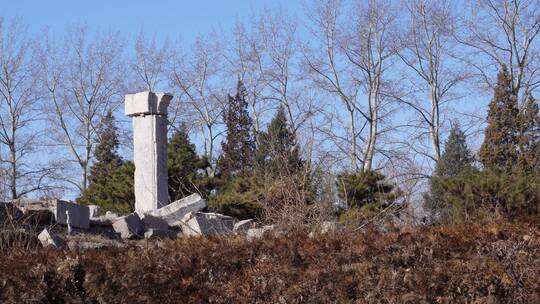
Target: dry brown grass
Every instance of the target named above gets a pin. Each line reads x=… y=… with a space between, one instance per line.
x=489 y=262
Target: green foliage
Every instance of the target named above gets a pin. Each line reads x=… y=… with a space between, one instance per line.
x=473 y=194
x=364 y=188
x=278 y=153
x=499 y=150
x=529 y=138
x=185 y=167
x=238 y=149
x=455 y=159
x=111 y=178
x=240 y=197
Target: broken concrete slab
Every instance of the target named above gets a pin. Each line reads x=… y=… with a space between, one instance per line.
x=174 y=212
x=128 y=226
x=199 y=223
x=258 y=233
x=47 y=239
x=152 y=222
x=244 y=226
x=79 y=215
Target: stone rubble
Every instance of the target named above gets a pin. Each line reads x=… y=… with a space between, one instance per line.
x=128 y=226
x=199 y=223
x=175 y=211
x=47 y=239
x=244 y=226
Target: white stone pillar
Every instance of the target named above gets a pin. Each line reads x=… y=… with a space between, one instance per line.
x=149 y=113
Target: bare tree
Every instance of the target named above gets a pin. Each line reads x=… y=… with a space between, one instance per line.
x=505 y=32
x=83 y=79
x=354 y=60
x=429 y=52
x=369 y=48
x=19 y=113
x=150 y=62
x=195 y=76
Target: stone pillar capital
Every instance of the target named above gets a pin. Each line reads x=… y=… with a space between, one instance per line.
x=147 y=103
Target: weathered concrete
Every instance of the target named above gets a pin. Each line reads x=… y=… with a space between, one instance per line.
x=149 y=113
x=128 y=226
x=47 y=239
x=79 y=215
x=258 y=233
x=199 y=223
x=153 y=222
x=94 y=210
x=244 y=226
x=174 y=212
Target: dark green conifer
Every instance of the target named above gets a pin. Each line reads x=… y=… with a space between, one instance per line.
x=499 y=150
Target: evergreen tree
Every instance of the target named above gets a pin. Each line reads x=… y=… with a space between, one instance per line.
x=529 y=138
x=278 y=152
x=184 y=166
x=238 y=149
x=111 y=178
x=499 y=150
x=455 y=159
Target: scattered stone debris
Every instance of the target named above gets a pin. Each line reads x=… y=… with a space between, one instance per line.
x=128 y=226
x=200 y=223
x=156 y=233
x=153 y=222
x=244 y=226
x=175 y=211
x=47 y=239
x=258 y=233
x=94 y=210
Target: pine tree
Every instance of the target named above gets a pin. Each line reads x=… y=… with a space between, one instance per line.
x=111 y=178
x=529 y=138
x=455 y=159
x=183 y=165
x=278 y=153
x=238 y=149
x=499 y=150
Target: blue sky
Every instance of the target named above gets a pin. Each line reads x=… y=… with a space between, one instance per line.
x=167 y=18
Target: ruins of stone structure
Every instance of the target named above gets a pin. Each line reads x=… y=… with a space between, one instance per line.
x=149 y=113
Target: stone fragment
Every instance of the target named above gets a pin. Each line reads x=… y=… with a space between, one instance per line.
x=47 y=239
x=244 y=226
x=94 y=210
x=330 y=227
x=79 y=215
x=199 y=223
x=174 y=212
x=128 y=226
x=156 y=233
x=258 y=233
x=153 y=222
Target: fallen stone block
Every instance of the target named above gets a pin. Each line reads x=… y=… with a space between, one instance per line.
x=47 y=239
x=36 y=212
x=244 y=226
x=156 y=233
x=152 y=222
x=175 y=211
x=79 y=215
x=93 y=210
x=199 y=223
x=258 y=233
x=128 y=226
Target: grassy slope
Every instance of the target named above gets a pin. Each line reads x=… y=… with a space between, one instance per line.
x=491 y=262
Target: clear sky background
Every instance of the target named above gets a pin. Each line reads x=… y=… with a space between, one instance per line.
x=167 y=18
